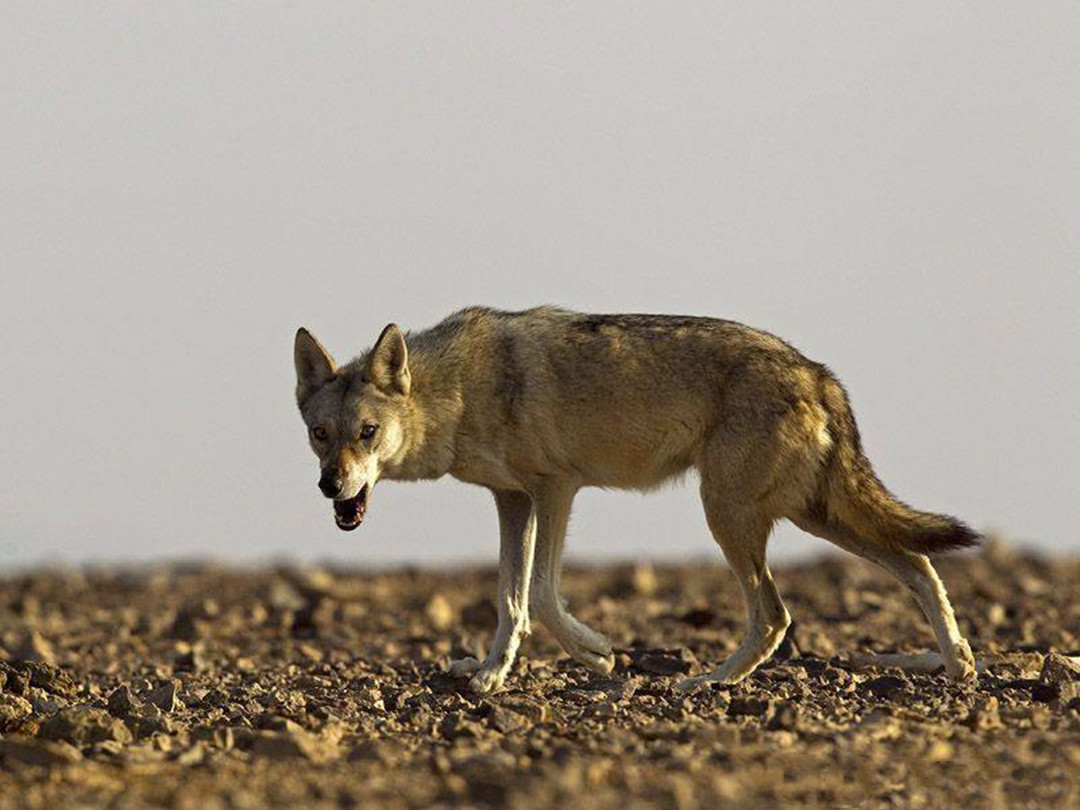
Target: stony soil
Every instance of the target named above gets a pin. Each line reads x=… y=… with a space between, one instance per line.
x=207 y=687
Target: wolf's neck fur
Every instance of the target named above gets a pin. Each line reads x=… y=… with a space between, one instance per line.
x=435 y=404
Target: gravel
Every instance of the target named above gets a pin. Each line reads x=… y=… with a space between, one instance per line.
x=200 y=686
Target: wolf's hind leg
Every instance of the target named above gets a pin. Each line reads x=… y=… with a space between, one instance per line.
x=517 y=529
x=743 y=540
x=582 y=643
x=916 y=571
x=918 y=574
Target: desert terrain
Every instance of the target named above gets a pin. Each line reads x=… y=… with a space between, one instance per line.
x=200 y=686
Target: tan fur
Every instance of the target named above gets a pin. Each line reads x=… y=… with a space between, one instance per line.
x=536 y=405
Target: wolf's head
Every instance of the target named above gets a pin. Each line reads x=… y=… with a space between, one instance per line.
x=354 y=417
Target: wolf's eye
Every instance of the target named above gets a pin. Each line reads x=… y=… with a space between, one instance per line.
x=319 y=433
x=368 y=431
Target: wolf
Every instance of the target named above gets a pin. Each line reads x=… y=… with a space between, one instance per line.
x=537 y=404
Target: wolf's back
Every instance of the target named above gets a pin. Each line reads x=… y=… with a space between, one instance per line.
x=853 y=497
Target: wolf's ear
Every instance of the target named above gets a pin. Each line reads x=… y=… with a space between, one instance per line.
x=388 y=362
x=314 y=365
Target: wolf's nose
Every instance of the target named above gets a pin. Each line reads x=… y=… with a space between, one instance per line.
x=330 y=484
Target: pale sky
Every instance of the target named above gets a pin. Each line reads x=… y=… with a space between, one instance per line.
x=893 y=187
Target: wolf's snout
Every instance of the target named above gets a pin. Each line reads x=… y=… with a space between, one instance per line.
x=330 y=483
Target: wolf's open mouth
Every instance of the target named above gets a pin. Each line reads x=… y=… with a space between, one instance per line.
x=349 y=514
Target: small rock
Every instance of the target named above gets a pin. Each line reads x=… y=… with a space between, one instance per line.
x=110 y=747
x=536 y=711
x=82 y=725
x=1059 y=669
x=1045 y=692
x=49 y=677
x=294 y=744
x=189 y=658
x=34 y=647
x=507 y=721
x=281 y=595
x=13 y=710
x=812 y=665
x=643 y=579
x=217 y=736
x=487 y=776
x=619 y=690
x=150 y=725
x=164 y=742
x=605 y=710
x=939 y=751
x=14 y=681
x=439 y=612
x=997 y=551
x=165 y=697
x=785 y=673
x=880 y=725
x=27 y=606
x=223 y=738
x=187 y=626
x=749 y=707
x=385 y=752
x=315 y=617
x=274 y=722
x=886 y=686
x=121 y=702
x=140 y=754
x=141 y=685
x=215 y=697
x=43 y=753
x=1069 y=696
x=458 y=725
x=784 y=718
x=191 y=756
x=370 y=699
x=984 y=715
x=43 y=702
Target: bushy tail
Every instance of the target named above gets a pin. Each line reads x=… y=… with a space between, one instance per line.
x=852 y=496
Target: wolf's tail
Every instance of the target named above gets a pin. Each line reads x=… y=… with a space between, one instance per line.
x=853 y=497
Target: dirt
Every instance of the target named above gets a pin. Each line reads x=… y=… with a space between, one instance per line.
x=201 y=686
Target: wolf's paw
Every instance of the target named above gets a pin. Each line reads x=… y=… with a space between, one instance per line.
x=963 y=668
x=716 y=676
x=600 y=664
x=463 y=668
x=487 y=680
x=598 y=657
x=690 y=685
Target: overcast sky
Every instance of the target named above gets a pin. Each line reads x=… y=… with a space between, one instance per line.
x=893 y=187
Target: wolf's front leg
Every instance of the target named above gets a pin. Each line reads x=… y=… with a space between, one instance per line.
x=584 y=644
x=517 y=529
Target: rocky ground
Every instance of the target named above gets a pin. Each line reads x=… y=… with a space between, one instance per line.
x=209 y=687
